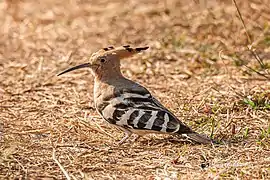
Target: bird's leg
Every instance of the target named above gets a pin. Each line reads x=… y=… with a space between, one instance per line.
x=127 y=135
x=136 y=138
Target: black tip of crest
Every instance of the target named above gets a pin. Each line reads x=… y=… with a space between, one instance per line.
x=141 y=49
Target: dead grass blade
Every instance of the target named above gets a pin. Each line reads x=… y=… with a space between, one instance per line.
x=250 y=47
x=60 y=166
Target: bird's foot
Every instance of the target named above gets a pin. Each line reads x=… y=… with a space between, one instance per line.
x=127 y=135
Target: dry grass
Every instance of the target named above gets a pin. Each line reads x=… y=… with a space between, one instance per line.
x=198 y=66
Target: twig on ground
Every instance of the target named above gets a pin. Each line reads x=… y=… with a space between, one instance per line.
x=261 y=74
x=60 y=166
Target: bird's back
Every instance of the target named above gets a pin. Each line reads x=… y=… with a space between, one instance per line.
x=127 y=104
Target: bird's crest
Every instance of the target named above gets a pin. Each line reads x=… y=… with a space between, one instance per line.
x=121 y=51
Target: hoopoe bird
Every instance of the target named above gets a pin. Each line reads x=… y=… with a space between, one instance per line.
x=125 y=103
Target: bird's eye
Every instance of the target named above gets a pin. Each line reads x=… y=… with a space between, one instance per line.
x=102 y=60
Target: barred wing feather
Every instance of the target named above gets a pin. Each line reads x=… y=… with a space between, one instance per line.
x=140 y=111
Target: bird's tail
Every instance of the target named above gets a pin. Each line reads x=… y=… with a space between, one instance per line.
x=199 y=138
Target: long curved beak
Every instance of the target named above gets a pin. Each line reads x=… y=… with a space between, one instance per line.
x=74 y=68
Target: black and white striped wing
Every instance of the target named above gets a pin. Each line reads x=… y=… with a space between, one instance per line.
x=142 y=112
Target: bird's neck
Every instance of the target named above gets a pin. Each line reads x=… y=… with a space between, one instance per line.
x=106 y=84
x=108 y=75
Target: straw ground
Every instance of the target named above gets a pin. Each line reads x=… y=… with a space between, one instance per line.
x=198 y=66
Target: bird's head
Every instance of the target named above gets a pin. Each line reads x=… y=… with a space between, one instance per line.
x=107 y=60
